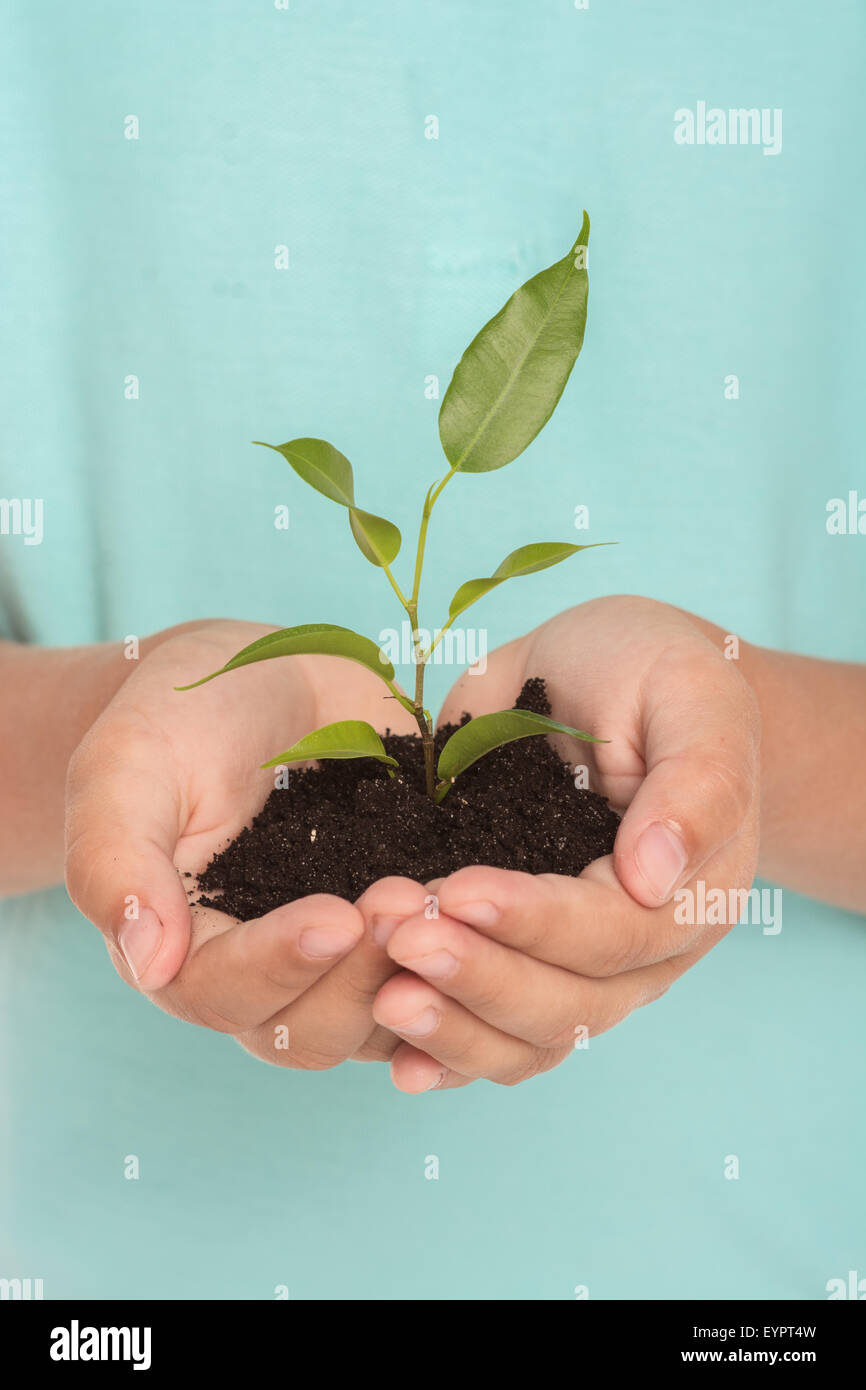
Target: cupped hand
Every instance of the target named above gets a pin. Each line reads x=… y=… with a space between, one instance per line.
x=516 y=970
x=165 y=778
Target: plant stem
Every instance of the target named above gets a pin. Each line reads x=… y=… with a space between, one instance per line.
x=396 y=587
x=435 y=643
x=429 y=503
x=424 y=724
x=400 y=698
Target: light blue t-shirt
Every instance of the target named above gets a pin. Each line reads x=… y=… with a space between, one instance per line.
x=234 y=221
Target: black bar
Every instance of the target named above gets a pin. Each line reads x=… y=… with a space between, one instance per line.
x=224 y=1337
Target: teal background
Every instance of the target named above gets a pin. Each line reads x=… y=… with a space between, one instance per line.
x=260 y=127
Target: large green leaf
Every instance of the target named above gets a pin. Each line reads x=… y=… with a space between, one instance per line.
x=471 y=741
x=317 y=639
x=527 y=559
x=348 y=738
x=508 y=381
x=330 y=472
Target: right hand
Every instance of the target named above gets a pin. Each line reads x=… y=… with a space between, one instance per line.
x=160 y=782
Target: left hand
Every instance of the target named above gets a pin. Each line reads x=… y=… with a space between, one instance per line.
x=505 y=981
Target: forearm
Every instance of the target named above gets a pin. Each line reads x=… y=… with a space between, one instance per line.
x=49 y=697
x=813 y=771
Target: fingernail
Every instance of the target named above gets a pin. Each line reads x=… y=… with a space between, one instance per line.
x=421 y=1024
x=140 y=941
x=660 y=857
x=323 y=942
x=477 y=914
x=433 y=1084
x=383 y=929
x=439 y=965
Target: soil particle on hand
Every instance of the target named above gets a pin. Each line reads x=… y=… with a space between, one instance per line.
x=340 y=827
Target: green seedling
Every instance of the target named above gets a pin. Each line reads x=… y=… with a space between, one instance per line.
x=503 y=391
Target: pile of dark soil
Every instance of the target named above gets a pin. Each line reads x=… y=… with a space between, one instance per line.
x=340 y=827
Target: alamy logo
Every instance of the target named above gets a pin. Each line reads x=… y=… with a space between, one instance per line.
x=21 y=1288
x=715 y=907
x=76 y=1343
x=846 y=518
x=712 y=125
x=854 y=1287
x=450 y=646
x=22 y=516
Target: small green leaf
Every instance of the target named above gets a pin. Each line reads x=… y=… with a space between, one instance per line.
x=508 y=381
x=471 y=741
x=312 y=638
x=348 y=738
x=320 y=465
x=528 y=559
x=330 y=472
x=377 y=538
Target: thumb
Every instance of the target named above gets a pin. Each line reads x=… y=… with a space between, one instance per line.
x=122 y=826
x=700 y=732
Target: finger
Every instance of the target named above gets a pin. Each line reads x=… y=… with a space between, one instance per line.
x=379 y=1047
x=455 y=1038
x=541 y=1004
x=587 y=925
x=332 y=1019
x=701 y=736
x=246 y=974
x=413 y=1072
x=122 y=826
x=388 y=902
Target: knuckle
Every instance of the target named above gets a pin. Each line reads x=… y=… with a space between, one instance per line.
x=559 y=1033
x=729 y=790
x=89 y=860
x=302 y=1058
x=376 y=1050
x=654 y=994
x=187 y=997
x=206 y=1015
x=282 y=976
x=488 y=996
x=661 y=979
x=624 y=947
x=76 y=870
x=615 y=1014
x=354 y=994
x=462 y=1053
x=533 y=1065
x=85 y=762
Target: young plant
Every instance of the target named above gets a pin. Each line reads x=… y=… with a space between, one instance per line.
x=503 y=391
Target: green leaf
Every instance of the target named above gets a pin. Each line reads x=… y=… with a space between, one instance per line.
x=507 y=383
x=320 y=465
x=348 y=738
x=527 y=559
x=377 y=538
x=312 y=638
x=489 y=731
x=330 y=472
